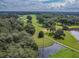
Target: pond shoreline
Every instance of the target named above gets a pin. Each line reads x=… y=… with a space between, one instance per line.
x=46 y=51
x=75 y=34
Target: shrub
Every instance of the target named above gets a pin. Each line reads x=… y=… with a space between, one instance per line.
x=59 y=33
x=14 y=41
x=29 y=17
x=41 y=34
x=29 y=21
x=30 y=29
x=65 y=27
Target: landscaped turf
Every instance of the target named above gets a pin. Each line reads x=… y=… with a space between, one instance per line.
x=69 y=40
x=41 y=42
x=65 y=53
x=74 y=26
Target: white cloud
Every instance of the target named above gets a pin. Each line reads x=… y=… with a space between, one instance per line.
x=56 y=5
x=70 y=4
x=70 y=1
x=42 y=0
x=30 y=5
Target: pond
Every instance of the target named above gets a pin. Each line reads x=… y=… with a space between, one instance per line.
x=75 y=34
x=46 y=51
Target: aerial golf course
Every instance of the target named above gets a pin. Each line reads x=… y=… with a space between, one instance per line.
x=41 y=35
x=70 y=43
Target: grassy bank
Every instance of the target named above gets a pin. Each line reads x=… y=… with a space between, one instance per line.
x=65 y=53
x=73 y=26
x=68 y=40
x=41 y=42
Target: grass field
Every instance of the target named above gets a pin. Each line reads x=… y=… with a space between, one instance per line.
x=68 y=40
x=73 y=26
x=65 y=53
x=41 y=42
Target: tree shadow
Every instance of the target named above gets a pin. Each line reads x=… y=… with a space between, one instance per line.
x=59 y=38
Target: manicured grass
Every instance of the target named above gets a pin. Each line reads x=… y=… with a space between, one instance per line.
x=69 y=40
x=38 y=26
x=58 y=27
x=73 y=26
x=41 y=42
x=65 y=53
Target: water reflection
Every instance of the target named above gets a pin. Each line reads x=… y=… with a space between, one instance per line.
x=45 y=52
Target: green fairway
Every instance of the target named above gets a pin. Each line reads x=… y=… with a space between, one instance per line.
x=41 y=42
x=65 y=53
x=73 y=26
x=69 y=40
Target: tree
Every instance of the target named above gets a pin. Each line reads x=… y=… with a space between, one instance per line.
x=49 y=24
x=40 y=19
x=52 y=29
x=59 y=33
x=52 y=26
x=29 y=17
x=65 y=27
x=41 y=34
x=16 y=43
x=30 y=29
x=29 y=21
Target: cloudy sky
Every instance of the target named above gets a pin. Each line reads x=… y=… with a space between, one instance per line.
x=39 y=5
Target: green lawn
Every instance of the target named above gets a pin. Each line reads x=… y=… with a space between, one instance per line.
x=41 y=42
x=74 y=26
x=65 y=53
x=69 y=40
